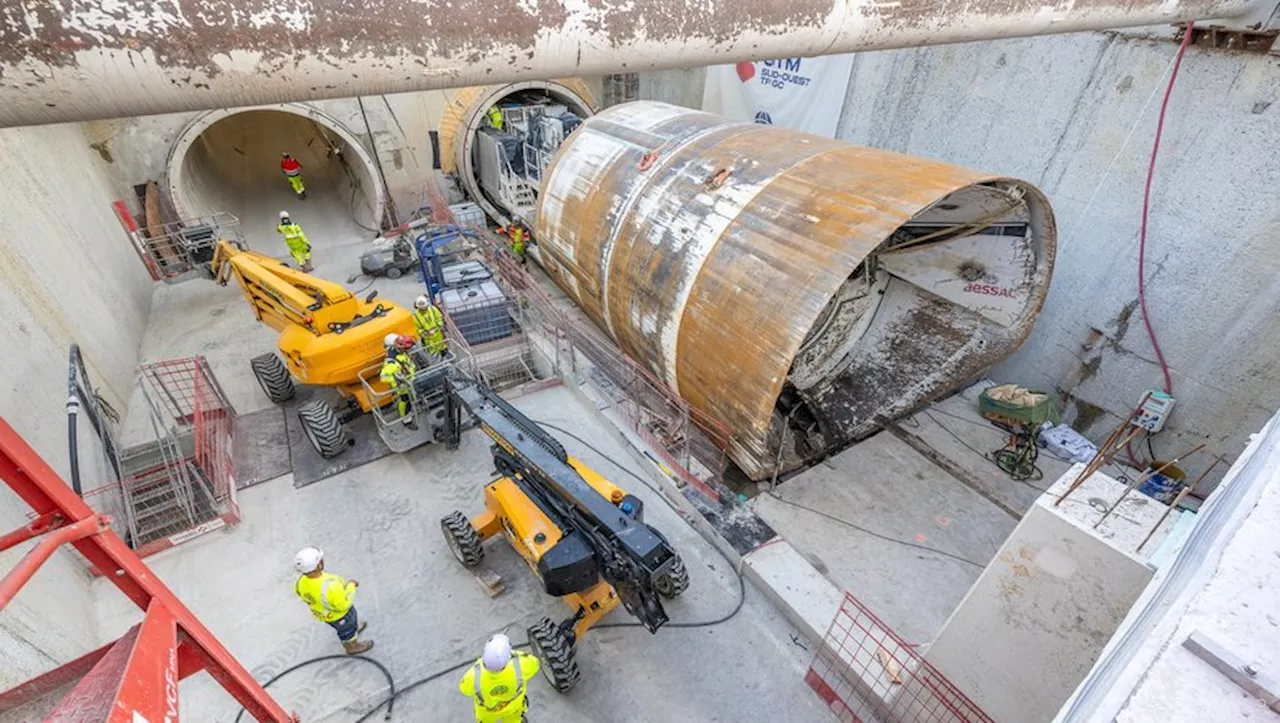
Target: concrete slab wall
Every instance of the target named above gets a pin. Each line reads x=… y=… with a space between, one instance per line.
x=67 y=274
x=1033 y=624
x=1075 y=114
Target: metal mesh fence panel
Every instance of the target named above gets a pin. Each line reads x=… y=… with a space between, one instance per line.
x=865 y=673
x=181 y=483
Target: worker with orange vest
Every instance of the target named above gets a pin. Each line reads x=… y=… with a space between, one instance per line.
x=292 y=170
x=519 y=236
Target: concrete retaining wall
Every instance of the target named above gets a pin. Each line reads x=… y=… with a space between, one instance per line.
x=67 y=274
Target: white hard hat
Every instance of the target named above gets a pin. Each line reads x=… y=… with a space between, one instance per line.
x=421 y=302
x=308 y=559
x=284 y=214
x=390 y=340
x=497 y=653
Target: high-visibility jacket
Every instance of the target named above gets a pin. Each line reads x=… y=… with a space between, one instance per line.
x=430 y=325
x=294 y=238
x=328 y=596
x=500 y=697
x=517 y=234
x=495 y=117
x=291 y=167
x=397 y=369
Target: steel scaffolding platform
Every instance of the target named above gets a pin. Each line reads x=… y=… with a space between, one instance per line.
x=135 y=678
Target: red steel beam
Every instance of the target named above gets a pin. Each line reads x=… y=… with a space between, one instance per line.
x=36 y=557
x=45 y=492
x=35 y=528
x=46 y=683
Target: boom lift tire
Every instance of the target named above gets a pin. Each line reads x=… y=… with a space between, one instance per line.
x=463 y=539
x=273 y=377
x=549 y=642
x=323 y=428
x=674 y=581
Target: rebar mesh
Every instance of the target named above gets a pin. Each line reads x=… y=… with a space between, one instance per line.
x=865 y=673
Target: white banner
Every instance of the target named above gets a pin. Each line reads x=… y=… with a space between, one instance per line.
x=802 y=93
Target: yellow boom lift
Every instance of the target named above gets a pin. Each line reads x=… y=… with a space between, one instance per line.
x=327 y=338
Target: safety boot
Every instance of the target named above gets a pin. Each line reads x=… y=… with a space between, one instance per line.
x=363 y=624
x=356 y=647
x=306 y=268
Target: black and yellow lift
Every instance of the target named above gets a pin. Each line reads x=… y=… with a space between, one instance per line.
x=583 y=536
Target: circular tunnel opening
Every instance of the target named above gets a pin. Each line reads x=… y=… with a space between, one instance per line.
x=229 y=161
x=500 y=164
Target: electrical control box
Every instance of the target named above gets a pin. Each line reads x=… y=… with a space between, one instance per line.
x=1153 y=411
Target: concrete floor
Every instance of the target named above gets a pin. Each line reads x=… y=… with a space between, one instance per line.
x=380 y=523
x=885 y=486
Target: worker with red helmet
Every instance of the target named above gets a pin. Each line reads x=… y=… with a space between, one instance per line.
x=397 y=372
x=292 y=170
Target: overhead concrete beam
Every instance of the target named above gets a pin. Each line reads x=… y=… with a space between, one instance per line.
x=74 y=60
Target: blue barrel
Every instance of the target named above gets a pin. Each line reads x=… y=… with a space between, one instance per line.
x=1163 y=486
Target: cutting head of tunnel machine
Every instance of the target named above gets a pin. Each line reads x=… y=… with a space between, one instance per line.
x=794 y=287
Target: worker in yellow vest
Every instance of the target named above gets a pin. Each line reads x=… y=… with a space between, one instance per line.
x=331 y=599
x=430 y=324
x=495 y=117
x=296 y=240
x=498 y=682
x=397 y=372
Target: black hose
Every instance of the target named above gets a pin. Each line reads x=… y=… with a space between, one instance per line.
x=390 y=701
x=73 y=408
x=81 y=396
x=74 y=396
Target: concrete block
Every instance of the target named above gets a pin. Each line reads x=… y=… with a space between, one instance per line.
x=808 y=599
x=1040 y=614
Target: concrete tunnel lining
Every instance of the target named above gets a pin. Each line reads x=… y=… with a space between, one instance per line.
x=229 y=160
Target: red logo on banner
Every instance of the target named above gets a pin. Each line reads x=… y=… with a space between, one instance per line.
x=746 y=71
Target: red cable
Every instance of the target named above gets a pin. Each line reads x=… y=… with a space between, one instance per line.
x=1146 y=205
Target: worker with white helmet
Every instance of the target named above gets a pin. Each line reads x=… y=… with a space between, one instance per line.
x=498 y=682
x=430 y=325
x=296 y=240
x=331 y=599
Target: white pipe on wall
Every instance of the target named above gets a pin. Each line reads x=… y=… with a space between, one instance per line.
x=90 y=59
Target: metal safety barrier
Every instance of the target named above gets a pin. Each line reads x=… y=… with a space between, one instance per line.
x=866 y=673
